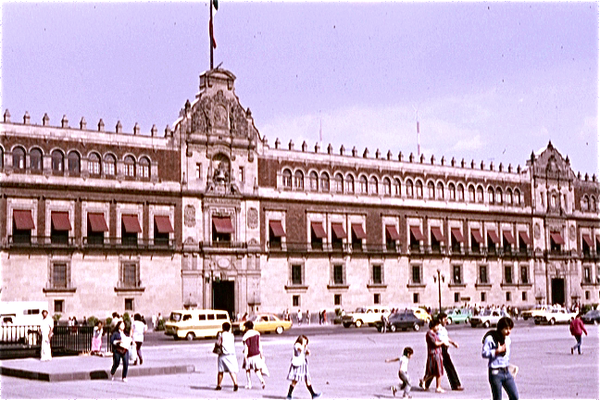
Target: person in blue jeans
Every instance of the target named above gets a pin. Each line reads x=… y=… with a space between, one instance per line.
x=496 y=348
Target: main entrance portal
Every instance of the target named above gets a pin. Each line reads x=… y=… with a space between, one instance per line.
x=223 y=294
x=558 y=291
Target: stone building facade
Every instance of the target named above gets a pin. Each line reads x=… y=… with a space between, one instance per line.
x=210 y=215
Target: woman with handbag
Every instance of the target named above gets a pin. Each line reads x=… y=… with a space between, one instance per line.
x=226 y=361
x=120 y=343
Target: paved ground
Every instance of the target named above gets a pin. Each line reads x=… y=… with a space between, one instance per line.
x=343 y=364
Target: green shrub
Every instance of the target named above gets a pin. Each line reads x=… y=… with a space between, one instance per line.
x=56 y=317
x=108 y=321
x=92 y=321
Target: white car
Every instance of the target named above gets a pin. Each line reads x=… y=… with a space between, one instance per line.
x=487 y=318
x=364 y=316
x=554 y=316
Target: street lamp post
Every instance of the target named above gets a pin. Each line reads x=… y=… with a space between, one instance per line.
x=439 y=278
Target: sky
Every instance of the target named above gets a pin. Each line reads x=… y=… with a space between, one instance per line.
x=487 y=81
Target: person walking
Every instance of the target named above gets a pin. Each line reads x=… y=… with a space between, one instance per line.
x=46 y=332
x=97 y=335
x=139 y=328
x=403 y=372
x=307 y=317
x=299 y=368
x=577 y=329
x=253 y=355
x=496 y=348
x=226 y=361
x=120 y=344
x=448 y=364
x=435 y=364
x=299 y=316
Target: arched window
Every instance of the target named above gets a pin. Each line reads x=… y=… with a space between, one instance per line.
x=1 y=157
x=452 y=191
x=144 y=168
x=409 y=189
x=479 y=194
x=397 y=190
x=130 y=166
x=491 y=195
x=18 y=159
x=349 y=184
x=339 y=183
x=324 y=182
x=440 y=191
x=461 y=192
x=110 y=165
x=36 y=164
x=58 y=162
x=387 y=186
x=94 y=164
x=314 y=181
x=287 y=178
x=362 y=185
x=593 y=203
x=517 y=197
x=471 y=194
x=373 y=185
x=419 y=186
x=585 y=203
x=498 y=196
x=299 y=180
x=508 y=197
x=431 y=190
x=74 y=163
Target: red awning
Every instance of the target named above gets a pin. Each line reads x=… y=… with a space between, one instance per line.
x=60 y=221
x=416 y=232
x=163 y=224
x=23 y=220
x=477 y=235
x=509 y=237
x=222 y=224
x=131 y=224
x=525 y=237
x=557 y=237
x=437 y=233
x=97 y=222
x=493 y=236
x=277 y=228
x=317 y=228
x=457 y=235
x=392 y=232
x=338 y=230
x=359 y=232
x=587 y=238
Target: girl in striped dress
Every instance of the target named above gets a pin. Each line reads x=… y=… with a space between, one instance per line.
x=435 y=364
x=299 y=368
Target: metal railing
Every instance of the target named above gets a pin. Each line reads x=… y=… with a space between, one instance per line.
x=15 y=241
x=92 y=242
x=19 y=336
x=72 y=339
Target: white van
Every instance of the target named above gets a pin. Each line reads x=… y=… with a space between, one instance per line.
x=191 y=324
x=20 y=321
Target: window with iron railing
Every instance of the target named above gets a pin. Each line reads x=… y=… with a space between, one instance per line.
x=297 y=275
x=377 y=274
x=525 y=274
x=483 y=274
x=416 y=274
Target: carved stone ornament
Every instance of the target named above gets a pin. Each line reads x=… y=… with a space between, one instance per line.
x=536 y=231
x=189 y=216
x=217 y=110
x=252 y=218
x=223 y=263
x=572 y=233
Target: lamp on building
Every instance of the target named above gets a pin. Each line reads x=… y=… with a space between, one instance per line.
x=439 y=279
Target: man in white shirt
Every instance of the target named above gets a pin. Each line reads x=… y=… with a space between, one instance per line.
x=46 y=328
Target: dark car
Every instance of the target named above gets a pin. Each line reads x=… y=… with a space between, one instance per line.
x=591 y=317
x=402 y=321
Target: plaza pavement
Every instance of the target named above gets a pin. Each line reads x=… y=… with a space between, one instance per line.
x=343 y=364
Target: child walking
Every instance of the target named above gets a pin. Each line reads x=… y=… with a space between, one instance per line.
x=299 y=367
x=403 y=372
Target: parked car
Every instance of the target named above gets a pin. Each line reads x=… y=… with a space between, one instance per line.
x=402 y=320
x=264 y=323
x=539 y=309
x=458 y=315
x=487 y=318
x=191 y=324
x=554 y=316
x=591 y=317
x=422 y=314
x=364 y=316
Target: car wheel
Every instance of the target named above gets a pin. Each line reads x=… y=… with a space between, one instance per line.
x=486 y=324
x=552 y=321
x=473 y=325
x=525 y=318
x=450 y=321
x=279 y=330
x=536 y=322
x=392 y=328
x=468 y=321
x=190 y=336
x=416 y=327
x=358 y=323
x=347 y=325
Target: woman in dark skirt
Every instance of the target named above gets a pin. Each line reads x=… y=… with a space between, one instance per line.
x=435 y=363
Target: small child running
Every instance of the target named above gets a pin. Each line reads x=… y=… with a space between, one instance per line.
x=403 y=372
x=299 y=368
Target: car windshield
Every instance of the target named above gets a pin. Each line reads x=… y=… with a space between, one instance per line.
x=176 y=317
x=487 y=313
x=360 y=310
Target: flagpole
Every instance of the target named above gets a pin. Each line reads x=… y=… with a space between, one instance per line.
x=210 y=42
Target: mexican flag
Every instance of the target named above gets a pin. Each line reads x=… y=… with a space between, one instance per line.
x=215 y=7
